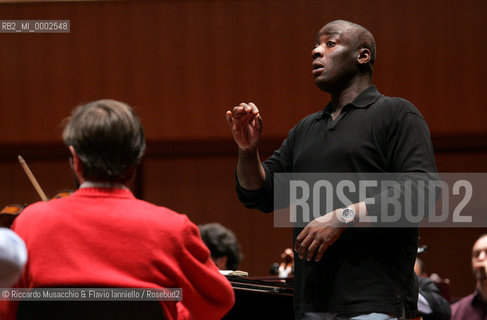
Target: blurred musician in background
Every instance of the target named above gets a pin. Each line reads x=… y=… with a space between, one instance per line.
x=431 y=304
x=474 y=306
x=223 y=244
x=284 y=269
x=102 y=236
x=13 y=256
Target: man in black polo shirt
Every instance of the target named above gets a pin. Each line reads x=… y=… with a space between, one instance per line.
x=344 y=272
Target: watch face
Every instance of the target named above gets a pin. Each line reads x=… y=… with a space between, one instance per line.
x=347 y=215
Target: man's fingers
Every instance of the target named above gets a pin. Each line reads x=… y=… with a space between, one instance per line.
x=243 y=115
x=312 y=249
x=229 y=117
x=258 y=122
x=255 y=110
x=244 y=109
x=320 y=252
x=299 y=239
x=237 y=112
x=302 y=247
x=240 y=120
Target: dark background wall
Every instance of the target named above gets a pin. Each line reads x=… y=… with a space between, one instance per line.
x=182 y=64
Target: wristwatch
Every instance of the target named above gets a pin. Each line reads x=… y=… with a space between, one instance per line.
x=346 y=215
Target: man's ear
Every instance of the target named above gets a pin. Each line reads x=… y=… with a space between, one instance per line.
x=75 y=161
x=364 y=56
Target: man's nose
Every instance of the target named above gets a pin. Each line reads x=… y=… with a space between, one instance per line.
x=317 y=52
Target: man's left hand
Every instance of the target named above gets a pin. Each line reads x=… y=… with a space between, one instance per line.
x=318 y=235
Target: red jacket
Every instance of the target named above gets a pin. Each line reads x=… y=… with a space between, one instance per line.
x=108 y=238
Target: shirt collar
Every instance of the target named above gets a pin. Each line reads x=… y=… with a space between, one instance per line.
x=107 y=185
x=477 y=300
x=363 y=100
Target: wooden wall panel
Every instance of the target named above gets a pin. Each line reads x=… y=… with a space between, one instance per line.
x=183 y=63
x=462 y=162
x=52 y=175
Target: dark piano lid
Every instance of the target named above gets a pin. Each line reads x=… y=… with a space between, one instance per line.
x=265 y=286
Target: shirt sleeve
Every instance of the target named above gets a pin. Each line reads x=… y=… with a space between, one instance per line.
x=263 y=198
x=410 y=157
x=207 y=294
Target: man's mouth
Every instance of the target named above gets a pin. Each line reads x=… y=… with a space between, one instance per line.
x=317 y=68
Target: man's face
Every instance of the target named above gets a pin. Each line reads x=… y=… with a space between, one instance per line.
x=479 y=258
x=334 y=57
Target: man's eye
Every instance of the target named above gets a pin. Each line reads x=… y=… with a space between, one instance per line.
x=330 y=43
x=477 y=253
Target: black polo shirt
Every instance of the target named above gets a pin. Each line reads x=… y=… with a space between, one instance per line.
x=367 y=269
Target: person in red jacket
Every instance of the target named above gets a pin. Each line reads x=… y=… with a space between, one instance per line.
x=102 y=236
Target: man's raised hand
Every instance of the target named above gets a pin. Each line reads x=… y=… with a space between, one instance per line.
x=246 y=125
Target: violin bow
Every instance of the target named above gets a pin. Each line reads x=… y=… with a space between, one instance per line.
x=32 y=179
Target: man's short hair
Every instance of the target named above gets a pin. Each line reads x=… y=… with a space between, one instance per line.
x=221 y=242
x=108 y=138
x=363 y=38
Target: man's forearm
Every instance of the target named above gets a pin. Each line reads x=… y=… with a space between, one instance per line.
x=250 y=172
